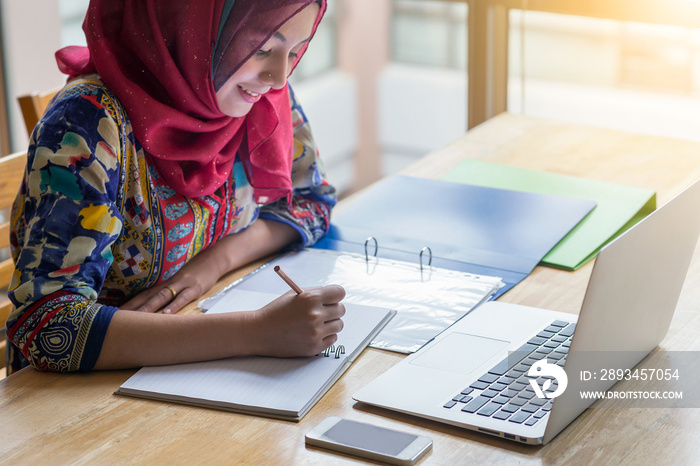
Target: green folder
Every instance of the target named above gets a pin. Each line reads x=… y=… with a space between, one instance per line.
x=619 y=207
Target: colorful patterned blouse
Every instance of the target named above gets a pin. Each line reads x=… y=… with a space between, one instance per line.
x=94 y=224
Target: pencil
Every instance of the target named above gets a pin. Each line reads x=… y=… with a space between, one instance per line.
x=289 y=281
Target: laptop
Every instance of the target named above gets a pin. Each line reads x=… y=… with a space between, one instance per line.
x=512 y=371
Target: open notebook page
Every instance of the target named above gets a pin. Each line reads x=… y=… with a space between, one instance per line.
x=281 y=387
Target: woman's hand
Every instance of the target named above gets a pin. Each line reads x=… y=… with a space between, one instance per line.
x=299 y=325
x=196 y=277
x=187 y=285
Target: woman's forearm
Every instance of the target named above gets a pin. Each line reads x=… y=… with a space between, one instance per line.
x=260 y=239
x=137 y=339
x=291 y=325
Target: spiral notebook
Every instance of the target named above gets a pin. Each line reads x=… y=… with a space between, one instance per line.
x=283 y=388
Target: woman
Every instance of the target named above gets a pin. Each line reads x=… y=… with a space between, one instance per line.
x=175 y=153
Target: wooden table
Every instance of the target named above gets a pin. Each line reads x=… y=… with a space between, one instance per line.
x=75 y=418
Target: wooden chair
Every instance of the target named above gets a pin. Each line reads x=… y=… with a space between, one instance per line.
x=33 y=106
x=11 y=171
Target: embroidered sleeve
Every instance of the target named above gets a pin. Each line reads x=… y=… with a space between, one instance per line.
x=314 y=197
x=64 y=221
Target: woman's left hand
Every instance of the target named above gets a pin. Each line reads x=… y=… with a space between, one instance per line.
x=187 y=285
x=196 y=277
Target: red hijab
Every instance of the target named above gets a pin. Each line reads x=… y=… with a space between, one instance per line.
x=165 y=59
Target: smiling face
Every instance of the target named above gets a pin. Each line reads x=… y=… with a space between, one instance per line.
x=269 y=67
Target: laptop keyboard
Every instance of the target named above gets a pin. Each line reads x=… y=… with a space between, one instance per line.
x=504 y=392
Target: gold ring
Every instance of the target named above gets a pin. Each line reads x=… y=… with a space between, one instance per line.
x=172 y=291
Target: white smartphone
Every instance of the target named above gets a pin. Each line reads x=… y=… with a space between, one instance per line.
x=369 y=441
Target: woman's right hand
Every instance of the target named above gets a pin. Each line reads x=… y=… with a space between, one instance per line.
x=291 y=325
x=299 y=325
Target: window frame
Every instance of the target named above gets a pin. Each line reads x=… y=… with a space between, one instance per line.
x=4 y=115
x=487 y=33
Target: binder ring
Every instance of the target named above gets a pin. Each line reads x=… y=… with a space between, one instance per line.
x=327 y=352
x=339 y=351
x=376 y=247
x=430 y=258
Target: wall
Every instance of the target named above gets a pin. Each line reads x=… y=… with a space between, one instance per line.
x=330 y=103
x=420 y=109
x=30 y=37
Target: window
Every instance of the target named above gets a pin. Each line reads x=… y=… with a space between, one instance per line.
x=72 y=13
x=422 y=102
x=322 y=52
x=429 y=33
x=631 y=76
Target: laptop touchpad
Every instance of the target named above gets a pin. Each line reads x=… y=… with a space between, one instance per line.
x=460 y=352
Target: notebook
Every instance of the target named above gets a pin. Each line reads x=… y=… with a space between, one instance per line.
x=630 y=300
x=428 y=299
x=284 y=388
x=618 y=206
x=474 y=229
